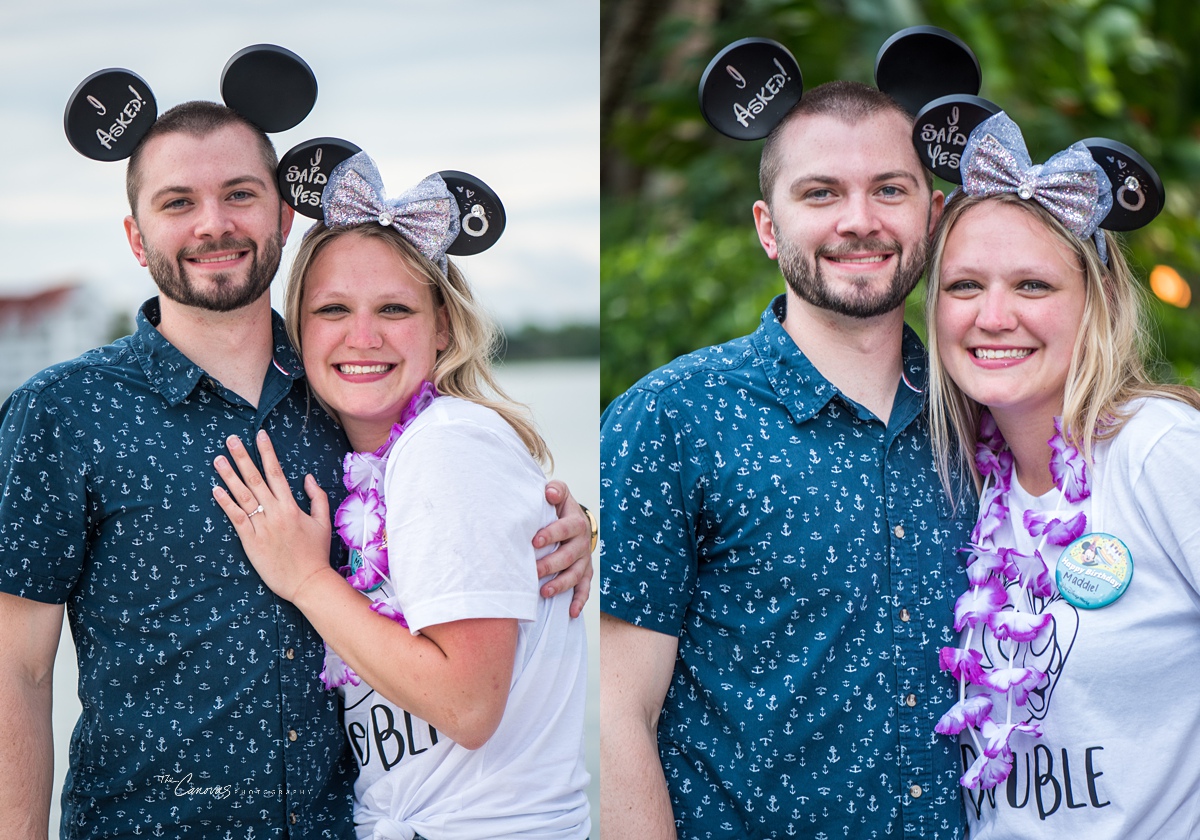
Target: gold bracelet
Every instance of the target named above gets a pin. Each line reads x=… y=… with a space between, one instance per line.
x=595 y=524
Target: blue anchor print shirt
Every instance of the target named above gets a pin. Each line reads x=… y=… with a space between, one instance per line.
x=805 y=555
x=202 y=713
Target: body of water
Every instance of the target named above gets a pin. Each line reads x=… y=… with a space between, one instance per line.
x=564 y=396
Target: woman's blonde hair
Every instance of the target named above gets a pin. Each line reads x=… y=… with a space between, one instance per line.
x=1108 y=362
x=464 y=368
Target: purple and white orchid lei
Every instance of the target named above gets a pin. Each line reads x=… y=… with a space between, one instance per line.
x=987 y=713
x=361 y=522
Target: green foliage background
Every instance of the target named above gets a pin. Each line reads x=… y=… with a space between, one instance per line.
x=680 y=265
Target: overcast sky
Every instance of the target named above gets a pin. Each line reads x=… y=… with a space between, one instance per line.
x=508 y=91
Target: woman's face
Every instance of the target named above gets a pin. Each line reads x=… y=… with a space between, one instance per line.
x=370 y=334
x=1010 y=304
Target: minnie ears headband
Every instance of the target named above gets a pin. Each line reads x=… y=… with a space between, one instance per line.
x=751 y=85
x=272 y=87
x=1094 y=184
x=334 y=180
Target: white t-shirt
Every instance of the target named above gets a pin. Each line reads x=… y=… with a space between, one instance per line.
x=1120 y=751
x=464 y=499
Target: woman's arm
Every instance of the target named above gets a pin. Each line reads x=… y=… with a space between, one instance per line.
x=455 y=675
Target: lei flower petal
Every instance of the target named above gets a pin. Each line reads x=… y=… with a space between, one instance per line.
x=360 y=518
x=970 y=711
x=1068 y=467
x=962 y=663
x=987 y=772
x=983 y=563
x=989 y=432
x=1057 y=532
x=1018 y=626
x=372 y=567
x=1018 y=682
x=361 y=470
x=999 y=735
x=992 y=514
x=388 y=611
x=1004 y=474
x=336 y=672
x=420 y=401
x=977 y=603
x=986 y=460
x=1031 y=570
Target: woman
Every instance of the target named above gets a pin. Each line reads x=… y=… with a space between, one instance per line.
x=1075 y=718
x=463 y=689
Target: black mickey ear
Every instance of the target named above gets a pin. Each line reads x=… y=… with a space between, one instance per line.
x=108 y=113
x=1138 y=194
x=941 y=130
x=481 y=214
x=270 y=86
x=923 y=63
x=749 y=87
x=304 y=171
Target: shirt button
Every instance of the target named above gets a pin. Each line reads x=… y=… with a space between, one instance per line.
x=905 y=615
x=910 y=701
x=293 y=819
x=291 y=652
x=292 y=736
x=915 y=791
x=899 y=532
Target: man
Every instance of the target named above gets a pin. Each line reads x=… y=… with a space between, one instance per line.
x=202 y=712
x=777 y=556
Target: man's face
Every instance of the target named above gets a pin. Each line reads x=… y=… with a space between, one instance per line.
x=850 y=215
x=210 y=225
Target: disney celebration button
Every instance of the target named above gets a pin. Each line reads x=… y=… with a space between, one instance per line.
x=1094 y=571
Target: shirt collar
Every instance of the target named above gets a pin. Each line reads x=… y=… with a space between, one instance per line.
x=174 y=375
x=802 y=388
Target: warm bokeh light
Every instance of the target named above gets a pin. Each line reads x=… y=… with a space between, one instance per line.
x=1170 y=288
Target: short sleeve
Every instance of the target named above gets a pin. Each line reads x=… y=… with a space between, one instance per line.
x=651 y=497
x=1165 y=491
x=43 y=505
x=464 y=500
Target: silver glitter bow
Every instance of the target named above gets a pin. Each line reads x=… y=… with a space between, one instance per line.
x=426 y=214
x=1071 y=185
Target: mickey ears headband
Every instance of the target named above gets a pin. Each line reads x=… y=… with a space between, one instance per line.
x=272 y=87
x=111 y=110
x=310 y=171
x=750 y=85
x=957 y=137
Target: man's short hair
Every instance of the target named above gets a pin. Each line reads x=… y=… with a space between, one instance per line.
x=198 y=119
x=850 y=102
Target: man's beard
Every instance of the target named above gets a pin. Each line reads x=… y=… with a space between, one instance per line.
x=805 y=278
x=172 y=279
